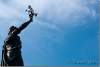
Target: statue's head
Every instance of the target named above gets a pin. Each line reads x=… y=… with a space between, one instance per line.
x=12 y=28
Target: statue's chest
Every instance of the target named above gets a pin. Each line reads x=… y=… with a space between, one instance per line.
x=12 y=46
x=12 y=42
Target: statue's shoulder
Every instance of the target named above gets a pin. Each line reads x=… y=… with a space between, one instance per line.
x=11 y=38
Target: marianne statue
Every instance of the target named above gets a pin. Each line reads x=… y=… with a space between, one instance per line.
x=11 y=52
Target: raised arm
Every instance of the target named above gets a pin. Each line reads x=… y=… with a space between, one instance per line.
x=31 y=14
x=24 y=25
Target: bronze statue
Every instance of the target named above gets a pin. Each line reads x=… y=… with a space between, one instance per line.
x=11 y=53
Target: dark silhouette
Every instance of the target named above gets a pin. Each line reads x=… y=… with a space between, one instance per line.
x=11 y=53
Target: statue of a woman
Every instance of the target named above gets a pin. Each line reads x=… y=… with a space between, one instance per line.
x=11 y=53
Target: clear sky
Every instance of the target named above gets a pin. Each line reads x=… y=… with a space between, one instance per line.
x=65 y=32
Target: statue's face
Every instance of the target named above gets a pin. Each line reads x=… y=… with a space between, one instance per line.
x=11 y=29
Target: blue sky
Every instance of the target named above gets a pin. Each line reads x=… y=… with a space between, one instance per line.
x=65 y=32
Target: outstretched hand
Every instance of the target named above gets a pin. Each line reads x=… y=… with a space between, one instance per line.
x=31 y=12
x=31 y=16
